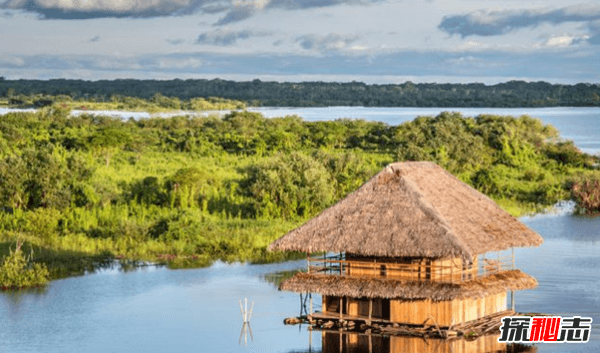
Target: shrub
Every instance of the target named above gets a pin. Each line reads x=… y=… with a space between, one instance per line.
x=18 y=271
x=586 y=193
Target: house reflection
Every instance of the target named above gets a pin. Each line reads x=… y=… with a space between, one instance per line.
x=343 y=342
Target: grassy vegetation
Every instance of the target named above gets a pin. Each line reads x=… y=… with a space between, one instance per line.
x=18 y=271
x=82 y=191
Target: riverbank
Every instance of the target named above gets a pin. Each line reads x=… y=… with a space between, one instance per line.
x=81 y=191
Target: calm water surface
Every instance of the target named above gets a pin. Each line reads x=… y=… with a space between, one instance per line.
x=160 y=310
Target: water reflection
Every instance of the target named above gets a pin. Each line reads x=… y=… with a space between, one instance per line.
x=337 y=342
x=244 y=333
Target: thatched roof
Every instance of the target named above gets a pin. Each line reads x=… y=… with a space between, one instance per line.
x=390 y=288
x=414 y=209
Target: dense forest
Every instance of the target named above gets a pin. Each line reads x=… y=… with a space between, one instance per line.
x=78 y=192
x=318 y=94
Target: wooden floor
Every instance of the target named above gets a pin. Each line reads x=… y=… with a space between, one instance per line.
x=333 y=316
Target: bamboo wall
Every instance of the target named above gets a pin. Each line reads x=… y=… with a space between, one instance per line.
x=356 y=307
x=411 y=268
x=355 y=342
x=418 y=312
x=448 y=312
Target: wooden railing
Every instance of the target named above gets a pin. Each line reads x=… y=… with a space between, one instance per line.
x=429 y=270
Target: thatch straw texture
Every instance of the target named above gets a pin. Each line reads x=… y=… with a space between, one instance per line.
x=390 y=288
x=412 y=209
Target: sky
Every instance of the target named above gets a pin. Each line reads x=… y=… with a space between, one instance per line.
x=373 y=41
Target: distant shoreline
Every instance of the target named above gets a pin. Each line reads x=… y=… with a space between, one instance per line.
x=512 y=94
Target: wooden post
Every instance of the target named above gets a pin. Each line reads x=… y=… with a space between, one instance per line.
x=483 y=263
x=513 y=258
x=347 y=307
x=512 y=300
x=341 y=307
x=308 y=262
x=370 y=310
x=499 y=263
x=310 y=305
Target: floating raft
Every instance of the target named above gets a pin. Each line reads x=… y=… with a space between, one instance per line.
x=429 y=329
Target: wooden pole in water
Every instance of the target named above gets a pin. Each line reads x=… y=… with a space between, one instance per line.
x=309 y=340
x=241 y=309
x=370 y=311
x=310 y=303
x=250 y=314
x=341 y=307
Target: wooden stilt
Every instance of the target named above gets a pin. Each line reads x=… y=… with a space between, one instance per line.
x=512 y=300
x=341 y=307
x=370 y=310
x=347 y=307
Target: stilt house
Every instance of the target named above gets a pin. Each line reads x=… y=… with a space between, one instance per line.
x=413 y=245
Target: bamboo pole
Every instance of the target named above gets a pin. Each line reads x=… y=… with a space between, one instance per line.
x=370 y=308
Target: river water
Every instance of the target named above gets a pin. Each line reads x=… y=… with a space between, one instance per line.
x=154 y=309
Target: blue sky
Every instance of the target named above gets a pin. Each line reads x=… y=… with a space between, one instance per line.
x=375 y=41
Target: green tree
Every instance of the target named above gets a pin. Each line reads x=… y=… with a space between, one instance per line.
x=107 y=141
x=289 y=186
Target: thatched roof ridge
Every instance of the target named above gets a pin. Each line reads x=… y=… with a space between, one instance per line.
x=414 y=209
x=390 y=288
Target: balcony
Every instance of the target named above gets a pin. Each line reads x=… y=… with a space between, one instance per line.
x=451 y=270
